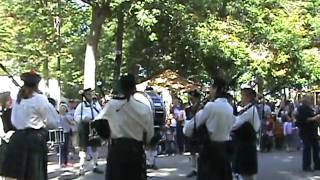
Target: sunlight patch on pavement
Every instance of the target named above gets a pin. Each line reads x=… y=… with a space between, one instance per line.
x=314 y=178
x=168 y=169
x=163 y=172
x=159 y=174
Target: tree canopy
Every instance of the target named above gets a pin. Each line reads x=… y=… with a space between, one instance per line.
x=274 y=40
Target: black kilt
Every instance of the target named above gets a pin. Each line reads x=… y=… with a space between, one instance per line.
x=126 y=160
x=26 y=155
x=245 y=160
x=214 y=162
x=3 y=149
x=84 y=141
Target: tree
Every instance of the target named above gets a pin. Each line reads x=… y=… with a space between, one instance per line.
x=101 y=10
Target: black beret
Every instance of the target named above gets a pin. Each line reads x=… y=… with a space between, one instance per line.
x=127 y=82
x=31 y=78
x=218 y=82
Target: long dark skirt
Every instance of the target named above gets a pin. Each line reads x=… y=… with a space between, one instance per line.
x=126 y=160
x=26 y=155
x=3 y=149
x=245 y=158
x=214 y=163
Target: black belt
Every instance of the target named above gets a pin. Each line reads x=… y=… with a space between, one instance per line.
x=127 y=141
x=27 y=130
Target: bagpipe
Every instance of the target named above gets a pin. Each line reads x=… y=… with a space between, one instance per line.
x=10 y=76
x=200 y=135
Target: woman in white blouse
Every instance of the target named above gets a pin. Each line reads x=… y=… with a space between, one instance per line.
x=131 y=124
x=26 y=155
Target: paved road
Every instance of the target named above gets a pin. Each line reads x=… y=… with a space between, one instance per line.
x=276 y=165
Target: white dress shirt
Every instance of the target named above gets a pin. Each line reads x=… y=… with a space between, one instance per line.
x=89 y=111
x=128 y=119
x=218 y=117
x=250 y=115
x=2 y=133
x=35 y=112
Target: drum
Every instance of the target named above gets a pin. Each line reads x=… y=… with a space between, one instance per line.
x=56 y=136
x=156 y=104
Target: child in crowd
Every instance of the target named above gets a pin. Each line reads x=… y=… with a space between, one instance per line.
x=288 y=129
x=170 y=138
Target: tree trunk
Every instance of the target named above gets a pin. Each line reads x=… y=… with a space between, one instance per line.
x=99 y=15
x=46 y=71
x=260 y=85
x=119 y=46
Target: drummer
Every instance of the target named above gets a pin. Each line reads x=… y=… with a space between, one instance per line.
x=84 y=114
x=26 y=155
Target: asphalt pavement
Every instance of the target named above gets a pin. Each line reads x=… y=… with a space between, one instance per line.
x=276 y=165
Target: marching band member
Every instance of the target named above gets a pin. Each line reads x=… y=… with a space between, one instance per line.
x=84 y=114
x=26 y=155
x=217 y=118
x=130 y=123
x=245 y=128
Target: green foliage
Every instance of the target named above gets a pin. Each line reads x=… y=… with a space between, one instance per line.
x=278 y=40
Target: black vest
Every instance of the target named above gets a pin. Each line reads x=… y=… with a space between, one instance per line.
x=6 y=120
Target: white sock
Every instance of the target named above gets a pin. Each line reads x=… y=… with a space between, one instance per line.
x=82 y=156
x=95 y=156
x=149 y=157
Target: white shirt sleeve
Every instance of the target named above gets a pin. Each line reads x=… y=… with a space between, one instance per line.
x=13 y=117
x=247 y=116
x=149 y=129
x=200 y=118
x=49 y=113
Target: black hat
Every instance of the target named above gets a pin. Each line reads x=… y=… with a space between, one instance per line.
x=87 y=90
x=195 y=93
x=31 y=78
x=127 y=83
x=82 y=92
x=218 y=82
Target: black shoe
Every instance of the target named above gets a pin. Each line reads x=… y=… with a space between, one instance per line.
x=192 y=174
x=307 y=169
x=98 y=171
x=316 y=168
